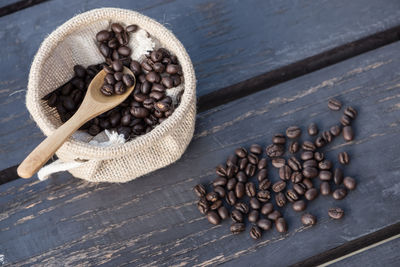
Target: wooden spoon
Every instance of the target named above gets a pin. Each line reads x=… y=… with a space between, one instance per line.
x=94 y=103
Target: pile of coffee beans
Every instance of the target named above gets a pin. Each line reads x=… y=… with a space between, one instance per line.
x=234 y=194
x=146 y=107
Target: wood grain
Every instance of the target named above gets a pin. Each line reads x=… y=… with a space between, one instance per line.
x=154 y=221
x=228 y=41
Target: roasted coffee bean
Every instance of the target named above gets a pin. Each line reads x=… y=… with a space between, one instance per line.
x=327 y=136
x=325 y=164
x=139 y=112
x=66 y=89
x=310 y=172
x=263 y=195
x=308 y=183
x=116 y=56
x=294 y=147
x=117 y=28
x=135 y=67
x=241 y=152
x=202 y=206
x=110 y=79
x=256 y=149
x=139 y=97
x=113 y=43
x=262 y=175
x=79 y=71
x=278 y=162
x=275 y=150
x=220 y=170
x=309 y=146
x=232 y=160
x=274 y=215
x=293 y=132
x=239 y=190
x=338 y=176
x=161 y=106
x=128 y=80
x=320 y=142
x=107 y=89
x=325 y=175
x=345 y=120
x=291 y=195
x=348 y=134
x=253 y=159
x=250 y=170
x=285 y=172
x=264 y=224
x=267 y=208
x=264 y=184
x=255 y=232
x=153 y=77
x=294 y=164
x=216 y=205
x=339 y=193
x=296 y=177
x=350 y=183
x=124 y=51
x=223 y=213
x=344 y=158
x=220 y=191
x=334 y=104
x=279 y=139
x=236 y=216
x=312 y=129
x=68 y=103
x=237 y=228
x=262 y=164
x=94 y=130
x=108 y=69
x=300 y=188
x=212 y=196
x=253 y=216
x=336 y=213
x=279 y=186
x=299 y=205
x=167 y=82
x=117 y=65
x=250 y=189
x=131 y=28
x=146 y=88
x=308 y=219
x=310 y=163
x=350 y=112
x=231 y=198
x=306 y=155
x=199 y=190
x=241 y=177
x=231 y=170
x=280 y=225
x=103 y=36
x=311 y=194
x=243 y=163
x=158 y=88
x=146 y=66
x=176 y=79
x=319 y=156
x=213 y=217
x=254 y=203
x=156 y=95
x=230 y=185
x=118 y=76
x=156 y=56
x=242 y=207
x=172 y=68
x=335 y=130
x=280 y=199
x=325 y=188
x=158 y=67
x=220 y=181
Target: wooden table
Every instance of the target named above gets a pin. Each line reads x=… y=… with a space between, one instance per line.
x=261 y=66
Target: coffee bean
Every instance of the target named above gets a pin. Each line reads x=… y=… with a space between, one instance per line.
x=220 y=191
x=110 y=79
x=310 y=163
x=279 y=139
x=311 y=194
x=153 y=77
x=202 y=206
x=117 y=66
x=262 y=164
x=263 y=195
x=325 y=175
x=243 y=163
x=308 y=183
x=117 y=28
x=280 y=225
x=300 y=188
x=199 y=190
x=254 y=203
x=256 y=149
x=253 y=159
x=156 y=56
x=350 y=183
x=79 y=71
x=267 y=208
x=107 y=89
x=139 y=112
x=319 y=156
x=278 y=186
x=116 y=56
x=294 y=164
x=294 y=147
x=336 y=213
x=223 y=213
x=291 y=195
x=161 y=106
x=345 y=120
x=350 y=112
x=124 y=51
x=253 y=216
x=241 y=177
x=339 y=193
x=306 y=155
x=299 y=205
x=280 y=199
x=212 y=196
x=231 y=198
x=344 y=158
x=216 y=205
x=310 y=172
x=242 y=207
x=118 y=76
x=320 y=142
x=220 y=181
x=325 y=188
x=220 y=170
x=325 y=164
x=237 y=228
x=103 y=36
x=278 y=162
x=231 y=171
x=68 y=103
x=213 y=217
x=94 y=130
x=338 y=176
x=348 y=134
x=131 y=28
x=232 y=160
x=172 y=68
x=334 y=104
x=156 y=95
x=327 y=136
x=275 y=150
x=335 y=130
x=309 y=146
x=312 y=129
x=293 y=132
x=176 y=79
x=135 y=67
x=262 y=175
x=250 y=170
x=139 y=98
x=230 y=185
x=255 y=232
x=241 y=152
x=167 y=82
x=236 y=216
x=264 y=224
x=264 y=184
x=239 y=190
x=274 y=215
x=285 y=172
x=296 y=177
x=308 y=219
x=128 y=80
x=250 y=189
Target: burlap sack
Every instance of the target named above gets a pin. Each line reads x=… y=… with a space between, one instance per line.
x=74 y=43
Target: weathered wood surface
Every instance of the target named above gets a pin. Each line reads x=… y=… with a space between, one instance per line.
x=154 y=221
x=228 y=41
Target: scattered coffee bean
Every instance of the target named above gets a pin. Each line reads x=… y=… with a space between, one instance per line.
x=254 y=203
x=264 y=184
x=319 y=156
x=267 y=208
x=262 y=175
x=309 y=146
x=242 y=207
x=200 y=190
x=220 y=181
x=252 y=158
x=220 y=191
x=294 y=164
x=231 y=198
x=310 y=172
x=263 y=195
x=336 y=213
x=203 y=206
x=236 y=216
x=325 y=175
x=312 y=129
x=345 y=120
x=334 y=104
x=350 y=112
x=280 y=199
x=262 y=164
x=338 y=176
x=325 y=188
x=250 y=189
x=213 y=217
x=239 y=190
x=253 y=216
x=339 y=193
x=299 y=205
x=296 y=177
x=327 y=136
x=344 y=158
x=350 y=183
x=243 y=163
x=256 y=149
x=348 y=134
x=308 y=219
x=241 y=177
x=320 y=142
x=255 y=232
x=335 y=130
x=308 y=183
x=300 y=188
x=250 y=170
x=264 y=224
x=237 y=228
x=291 y=195
x=280 y=225
x=294 y=147
x=275 y=150
x=212 y=196
x=230 y=185
x=311 y=194
x=285 y=172
x=241 y=152
x=325 y=165
x=279 y=186
x=223 y=213
x=310 y=163
x=306 y=155
x=216 y=204
x=274 y=215
x=278 y=162
x=293 y=132
x=279 y=139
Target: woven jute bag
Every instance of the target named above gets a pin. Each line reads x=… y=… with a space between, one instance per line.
x=74 y=43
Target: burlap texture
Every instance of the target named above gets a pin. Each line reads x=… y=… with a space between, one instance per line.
x=74 y=43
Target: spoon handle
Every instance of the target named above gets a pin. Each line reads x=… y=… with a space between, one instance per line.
x=45 y=150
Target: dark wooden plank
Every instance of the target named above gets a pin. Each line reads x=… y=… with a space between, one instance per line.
x=10 y=6
x=154 y=221
x=229 y=42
